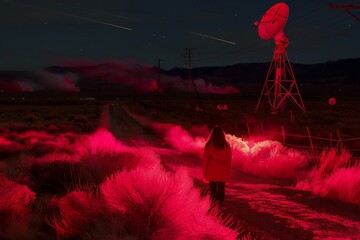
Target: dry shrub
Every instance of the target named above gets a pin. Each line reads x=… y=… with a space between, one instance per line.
x=266 y=158
x=39 y=149
x=102 y=151
x=9 y=148
x=86 y=161
x=15 y=198
x=58 y=177
x=15 y=203
x=259 y=157
x=179 y=138
x=334 y=175
x=160 y=205
x=84 y=215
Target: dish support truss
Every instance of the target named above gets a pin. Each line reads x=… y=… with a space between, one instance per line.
x=280 y=84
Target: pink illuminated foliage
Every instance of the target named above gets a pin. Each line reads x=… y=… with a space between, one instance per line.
x=88 y=160
x=15 y=198
x=260 y=157
x=171 y=209
x=101 y=188
x=73 y=167
x=82 y=213
x=15 y=208
x=334 y=175
x=129 y=204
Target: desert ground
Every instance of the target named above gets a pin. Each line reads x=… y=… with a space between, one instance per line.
x=85 y=169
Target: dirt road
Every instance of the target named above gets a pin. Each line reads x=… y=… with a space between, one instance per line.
x=269 y=209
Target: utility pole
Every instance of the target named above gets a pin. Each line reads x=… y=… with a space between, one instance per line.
x=138 y=87
x=158 y=81
x=99 y=83
x=191 y=84
x=347 y=8
x=190 y=77
x=158 y=90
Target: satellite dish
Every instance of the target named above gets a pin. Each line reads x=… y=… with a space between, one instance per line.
x=273 y=21
x=280 y=84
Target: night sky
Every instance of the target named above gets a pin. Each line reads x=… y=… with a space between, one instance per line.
x=40 y=33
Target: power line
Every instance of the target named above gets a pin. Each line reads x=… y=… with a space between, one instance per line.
x=347 y=8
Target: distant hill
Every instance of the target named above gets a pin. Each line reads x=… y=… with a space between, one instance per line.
x=344 y=71
x=122 y=78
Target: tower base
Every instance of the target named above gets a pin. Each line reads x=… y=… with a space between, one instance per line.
x=280 y=84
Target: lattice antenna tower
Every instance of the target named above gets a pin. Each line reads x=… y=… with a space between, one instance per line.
x=280 y=84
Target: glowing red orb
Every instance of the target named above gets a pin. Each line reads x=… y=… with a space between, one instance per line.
x=332 y=101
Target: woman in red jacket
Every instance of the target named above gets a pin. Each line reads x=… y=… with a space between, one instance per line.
x=217 y=165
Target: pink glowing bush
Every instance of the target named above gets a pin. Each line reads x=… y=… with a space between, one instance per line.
x=172 y=208
x=334 y=176
x=266 y=158
x=5 y=142
x=263 y=158
x=182 y=140
x=104 y=154
x=9 y=148
x=80 y=214
x=86 y=161
x=99 y=150
x=15 y=199
x=259 y=157
x=15 y=209
x=140 y=204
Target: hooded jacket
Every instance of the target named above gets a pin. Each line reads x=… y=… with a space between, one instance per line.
x=216 y=164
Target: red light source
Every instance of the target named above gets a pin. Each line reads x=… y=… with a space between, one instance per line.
x=332 y=101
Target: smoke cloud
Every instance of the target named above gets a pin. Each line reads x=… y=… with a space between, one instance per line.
x=29 y=81
x=141 y=77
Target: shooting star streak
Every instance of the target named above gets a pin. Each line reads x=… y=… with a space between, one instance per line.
x=214 y=38
x=74 y=16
